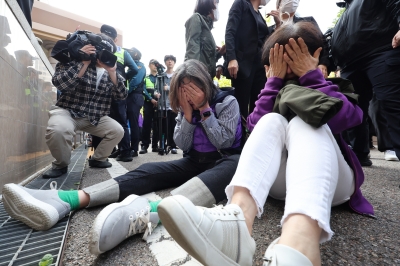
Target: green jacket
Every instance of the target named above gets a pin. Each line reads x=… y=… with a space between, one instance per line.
x=200 y=42
x=312 y=106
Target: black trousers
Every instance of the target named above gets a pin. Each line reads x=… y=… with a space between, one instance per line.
x=118 y=113
x=149 y=115
x=216 y=173
x=134 y=103
x=378 y=120
x=377 y=74
x=248 y=89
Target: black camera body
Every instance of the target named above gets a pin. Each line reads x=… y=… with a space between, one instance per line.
x=69 y=49
x=160 y=68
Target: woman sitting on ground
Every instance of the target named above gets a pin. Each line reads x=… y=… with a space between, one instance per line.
x=311 y=168
x=208 y=130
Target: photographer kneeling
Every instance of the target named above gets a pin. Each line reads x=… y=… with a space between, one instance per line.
x=87 y=88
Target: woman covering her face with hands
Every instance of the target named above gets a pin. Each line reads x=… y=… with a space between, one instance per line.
x=208 y=130
x=309 y=166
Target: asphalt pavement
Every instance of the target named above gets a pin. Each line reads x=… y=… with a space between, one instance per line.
x=358 y=240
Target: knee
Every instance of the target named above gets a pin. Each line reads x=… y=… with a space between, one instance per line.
x=57 y=131
x=272 y=121
x=297 y=125
x=232 y=161
x=115 y=131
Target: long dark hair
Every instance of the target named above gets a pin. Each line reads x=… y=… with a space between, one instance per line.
x=306 y=30
x=204 y=7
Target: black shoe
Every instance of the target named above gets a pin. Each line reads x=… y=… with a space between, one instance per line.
x=364 y=161
x=52 y=173
x=143 y=150
x=115 y=154
x=174 y=151
x=99 y=164
x=124 y=157
x=134 y=153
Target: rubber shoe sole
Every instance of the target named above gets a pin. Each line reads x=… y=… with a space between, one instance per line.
x=185 y=232
x=124 y=159
x=99 y=164
x=98 y=223
x=23 y=207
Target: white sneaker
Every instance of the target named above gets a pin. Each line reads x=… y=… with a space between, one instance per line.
x=390 y=155
x=118 y=221
x=39 y=209
x=282 y=255
x=213 y=236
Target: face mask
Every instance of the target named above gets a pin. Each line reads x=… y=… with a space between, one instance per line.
x=264 y=2
x=288 y=6
x=216 y=14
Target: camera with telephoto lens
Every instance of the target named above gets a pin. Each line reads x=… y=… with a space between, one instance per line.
x=70 y=49
x=160 y=68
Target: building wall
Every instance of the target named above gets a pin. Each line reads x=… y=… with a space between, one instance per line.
x=26 y=94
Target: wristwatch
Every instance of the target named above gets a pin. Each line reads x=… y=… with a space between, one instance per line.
x=206 y=113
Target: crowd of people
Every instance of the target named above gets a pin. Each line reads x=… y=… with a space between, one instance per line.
x=284 y=130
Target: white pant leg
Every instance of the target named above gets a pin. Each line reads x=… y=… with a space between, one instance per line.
x=314 y=165
x=318 y=174
x=260 y=162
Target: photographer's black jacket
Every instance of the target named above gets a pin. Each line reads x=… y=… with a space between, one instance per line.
x=366 y=27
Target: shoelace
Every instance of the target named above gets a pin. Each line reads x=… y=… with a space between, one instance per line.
x=271 y=260
x=220 y=210
x=140 y=222
x=53 y=185
x=267 y=261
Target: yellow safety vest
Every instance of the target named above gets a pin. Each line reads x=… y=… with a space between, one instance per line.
x=148 y=83
x=120 y=56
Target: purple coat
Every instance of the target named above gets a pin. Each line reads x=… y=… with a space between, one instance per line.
x=349 y=116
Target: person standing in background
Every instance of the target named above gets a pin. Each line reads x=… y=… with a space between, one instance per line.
x=118 y=107
x=170 y=61
x=365 y=45
x=246 y=31
x=200 y=43
x=135 y=99
x=150 y=105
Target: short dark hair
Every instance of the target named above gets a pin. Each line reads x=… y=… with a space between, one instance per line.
x=204 y=7
x=107 y=38
x=197 y=72
x=153 y=61
x=311 y=35
x=135 y=53
x=109 y=31
x=171 y=57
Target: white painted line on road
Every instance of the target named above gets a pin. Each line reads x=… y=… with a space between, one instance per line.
x=117 y=169
x=162 y=246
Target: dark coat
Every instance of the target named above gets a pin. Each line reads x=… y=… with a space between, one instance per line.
x=200 y=44
x=241 y=36
x=365 y=28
